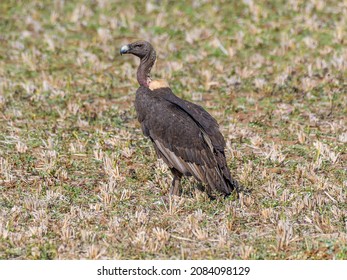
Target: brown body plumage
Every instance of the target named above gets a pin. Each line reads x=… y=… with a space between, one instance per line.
x=184 y=135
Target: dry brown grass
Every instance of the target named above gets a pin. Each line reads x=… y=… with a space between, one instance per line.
x=78 y=179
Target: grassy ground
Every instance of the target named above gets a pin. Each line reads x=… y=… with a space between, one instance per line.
x=78 y=179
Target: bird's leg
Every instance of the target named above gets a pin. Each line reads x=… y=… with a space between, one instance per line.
x=205 y=188
x=175 y=187
x=208 y=190
x=200 y=186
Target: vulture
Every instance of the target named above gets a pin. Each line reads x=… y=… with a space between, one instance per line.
x=184 y=135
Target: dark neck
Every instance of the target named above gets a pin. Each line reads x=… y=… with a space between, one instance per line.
x=144 y=70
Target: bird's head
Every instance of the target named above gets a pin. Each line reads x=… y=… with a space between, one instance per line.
x=147 y=55
x=140 y=49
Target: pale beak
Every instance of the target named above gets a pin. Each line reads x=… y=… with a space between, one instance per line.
x=124 y=49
